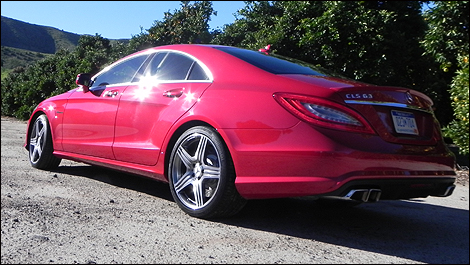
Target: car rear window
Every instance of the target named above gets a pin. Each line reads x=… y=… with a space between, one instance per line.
x=271 y=63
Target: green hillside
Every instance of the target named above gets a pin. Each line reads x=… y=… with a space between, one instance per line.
x=24 y=43
x=13 y=57
x=22 y=35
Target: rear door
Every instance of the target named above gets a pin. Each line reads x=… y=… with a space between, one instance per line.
x=169 y=87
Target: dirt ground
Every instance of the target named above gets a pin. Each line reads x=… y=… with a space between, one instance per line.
x=88 y=215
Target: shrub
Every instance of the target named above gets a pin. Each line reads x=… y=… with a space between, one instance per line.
x=458 y=128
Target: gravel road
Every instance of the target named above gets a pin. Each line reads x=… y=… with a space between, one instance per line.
x=88 y=215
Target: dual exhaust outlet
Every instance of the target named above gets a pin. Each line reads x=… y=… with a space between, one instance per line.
x=373 y=195
x=364 y=195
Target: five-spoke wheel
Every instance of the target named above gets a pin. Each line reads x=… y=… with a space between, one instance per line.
x=40 y=145
x=201 y=175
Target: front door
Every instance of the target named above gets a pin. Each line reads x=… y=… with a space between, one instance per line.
x=88 y=124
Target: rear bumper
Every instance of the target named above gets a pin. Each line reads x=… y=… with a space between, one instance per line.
x=391 y=187
x=302 y=161
x=395 y=189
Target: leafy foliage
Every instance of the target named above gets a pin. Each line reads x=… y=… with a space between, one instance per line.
x=24 y=88
x=380 y=42
x=189 y=24
x=12 y=57
x=458 y=129
x=370 y=41
x=447 y=40
x=255 y=27
x=447 y=37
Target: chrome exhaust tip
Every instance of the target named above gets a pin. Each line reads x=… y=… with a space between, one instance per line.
x=364 y=195
x=448 y=191
x=358 y=195
x=374 y=195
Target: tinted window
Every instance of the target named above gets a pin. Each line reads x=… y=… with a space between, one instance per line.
x=121 y=73
x=270 y=63
x=197 y=73
x=155 y=63
x=173 y=67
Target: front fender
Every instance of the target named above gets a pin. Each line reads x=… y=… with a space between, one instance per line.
x=54 y=109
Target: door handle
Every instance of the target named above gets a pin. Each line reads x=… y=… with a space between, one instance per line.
x=174 y=93
x=111 y=93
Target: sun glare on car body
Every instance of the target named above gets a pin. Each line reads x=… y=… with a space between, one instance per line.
x=189 y=97
x=145 y=88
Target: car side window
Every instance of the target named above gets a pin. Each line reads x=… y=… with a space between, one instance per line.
x=155 y=64
x=120 y=73
x=175 y=66
x=197 y=73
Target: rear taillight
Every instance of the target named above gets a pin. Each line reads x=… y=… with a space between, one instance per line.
x=324 y=113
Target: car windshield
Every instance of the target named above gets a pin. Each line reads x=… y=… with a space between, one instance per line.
x=274 y=63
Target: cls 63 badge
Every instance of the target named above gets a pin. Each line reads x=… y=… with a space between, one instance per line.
x=359 y=96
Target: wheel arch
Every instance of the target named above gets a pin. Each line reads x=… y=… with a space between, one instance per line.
x=179 y=131
x=30 y=126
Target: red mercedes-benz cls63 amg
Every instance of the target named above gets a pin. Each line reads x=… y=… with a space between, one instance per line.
x=223 y=125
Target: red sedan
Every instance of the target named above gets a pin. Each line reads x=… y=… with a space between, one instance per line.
x=223 y=125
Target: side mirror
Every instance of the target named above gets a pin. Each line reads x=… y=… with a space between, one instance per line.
x=84 y=80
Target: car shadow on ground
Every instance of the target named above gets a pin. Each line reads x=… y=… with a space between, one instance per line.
x=410 y=229
x=123 y=180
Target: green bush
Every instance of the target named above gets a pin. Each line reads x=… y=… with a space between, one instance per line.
x=24 y=88
x=458 y=129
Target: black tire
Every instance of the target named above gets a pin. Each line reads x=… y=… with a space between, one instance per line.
x=201 y=175
x=40 y=145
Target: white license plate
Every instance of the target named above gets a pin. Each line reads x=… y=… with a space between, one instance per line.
x=404 y=122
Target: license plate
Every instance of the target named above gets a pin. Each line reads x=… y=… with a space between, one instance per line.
x=404 y=122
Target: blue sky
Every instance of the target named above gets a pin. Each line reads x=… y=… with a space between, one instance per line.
x=110 y=19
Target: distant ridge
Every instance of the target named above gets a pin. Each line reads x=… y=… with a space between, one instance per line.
x=36 y=38
x=25 y=43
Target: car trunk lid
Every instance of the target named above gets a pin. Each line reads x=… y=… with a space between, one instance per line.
x=398 y=115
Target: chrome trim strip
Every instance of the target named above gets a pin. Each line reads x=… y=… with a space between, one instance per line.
x=388 y=104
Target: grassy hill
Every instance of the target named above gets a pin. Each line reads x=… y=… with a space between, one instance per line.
x=24 y=43
x=13 y=57
x=22 y=35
